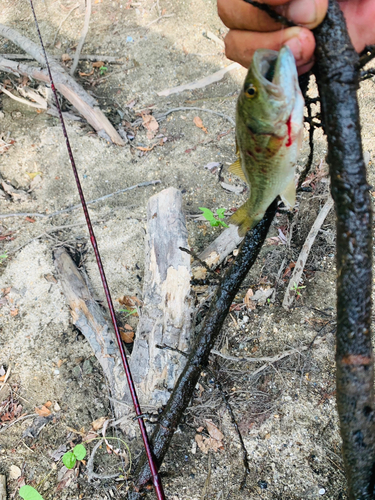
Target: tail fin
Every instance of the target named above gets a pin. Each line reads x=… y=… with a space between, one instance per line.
x=243 y=219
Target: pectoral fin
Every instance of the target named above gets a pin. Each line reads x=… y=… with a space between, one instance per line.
x=236 y=169
x=289 y=194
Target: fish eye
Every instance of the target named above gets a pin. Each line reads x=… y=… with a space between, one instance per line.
x=250 y=91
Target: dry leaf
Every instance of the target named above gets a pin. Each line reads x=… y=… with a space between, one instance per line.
x=14 y=472
x=48 y=404
x=14 y=312
x=249 y=303
x=198 y=123
x=86 y=74
x=98 y=64
x=43 y=411
x=214 y=431
x=98 y=423
x=66 y=58
x=152 y=126
x=33 y=174
x=127 y=336
x=130 y=302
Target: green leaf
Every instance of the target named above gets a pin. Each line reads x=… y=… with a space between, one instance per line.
x=220 y=213
x=29 y=493
x=79 y=451
x=69 y=460
x=208 y=215
x=223 y=223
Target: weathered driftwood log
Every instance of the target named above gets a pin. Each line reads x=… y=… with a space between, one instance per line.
x=167 y=311
x=221 y=247
x=69 y=88
x=3 y=488
x=90 y=319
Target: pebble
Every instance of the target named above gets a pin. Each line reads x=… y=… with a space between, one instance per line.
x=322 y=491
x=56 y=372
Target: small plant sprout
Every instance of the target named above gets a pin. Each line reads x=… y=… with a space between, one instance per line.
x=70 y=457
x=210 y=217
x=103 y=70
x=128 y=312
x=29 y=493
x=297 y=289
x=3 y=257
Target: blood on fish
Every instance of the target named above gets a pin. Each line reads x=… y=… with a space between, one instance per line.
x=289 y=125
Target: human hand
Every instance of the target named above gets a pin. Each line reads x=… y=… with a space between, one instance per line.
x=251 y=28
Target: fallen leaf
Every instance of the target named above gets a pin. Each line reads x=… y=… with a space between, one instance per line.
x=198 y=123
x=98 y=423
x=128 y=327
x=212 y=166
x=150 y=123
x=214 y=431
x=67 y=478
x=127 y=336
x=57 y=454
x=86 y=74
x=29 y=219
x=288 y=270
x=66 y=58
x=43 y=411
x=48 y=404
x=14 y=312
x=98 y=64
x=14 y=472
x=231 y=188
x=249 y=303
x=130 y=301
x=33 y=174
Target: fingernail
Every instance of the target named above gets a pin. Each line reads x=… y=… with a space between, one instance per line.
x=302 y=11
x=296 y=47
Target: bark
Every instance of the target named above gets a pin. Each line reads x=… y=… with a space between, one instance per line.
x=167 y=303
x=337 y=77
x=199 y=354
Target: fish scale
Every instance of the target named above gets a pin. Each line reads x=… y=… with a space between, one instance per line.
x=269 y=129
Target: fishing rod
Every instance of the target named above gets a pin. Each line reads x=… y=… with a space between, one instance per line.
x=151 y=460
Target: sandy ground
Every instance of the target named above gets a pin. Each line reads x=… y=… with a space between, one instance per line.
x=286 y=412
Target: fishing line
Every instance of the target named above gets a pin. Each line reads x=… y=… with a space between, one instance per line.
x=151 y=460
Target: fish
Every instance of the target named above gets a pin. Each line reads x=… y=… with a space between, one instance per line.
x=269 y=131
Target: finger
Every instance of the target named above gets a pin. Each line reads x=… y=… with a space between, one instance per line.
x=241 y=45
x=360 y=19
x=237 y=14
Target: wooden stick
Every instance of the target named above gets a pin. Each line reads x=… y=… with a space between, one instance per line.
x=302 y=258
x=64 y=83
x=82 y=39
x=221 y=247
x=3 y=487
x=82 y=57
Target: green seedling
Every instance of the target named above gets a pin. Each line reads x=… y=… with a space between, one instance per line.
x=29 y=493
x=128 y=312
x=70 y=457
x=297 y=289
x=103 y=70
x=210 y=217
x=3 y=257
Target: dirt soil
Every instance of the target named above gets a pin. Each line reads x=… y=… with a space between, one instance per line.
x=285 y=410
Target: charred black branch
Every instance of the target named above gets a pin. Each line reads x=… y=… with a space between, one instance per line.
x=336 y=71
x=198 y=357
x=365 y=75
x=367 y=55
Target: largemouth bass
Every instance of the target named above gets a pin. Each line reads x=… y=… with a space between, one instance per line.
x=269 y=129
